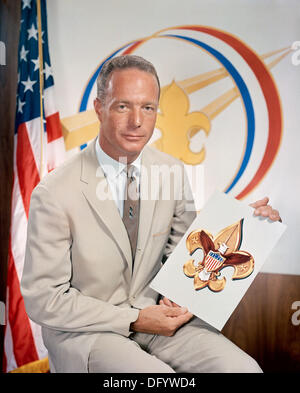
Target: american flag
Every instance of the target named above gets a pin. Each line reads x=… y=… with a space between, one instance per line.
x=38 y=148
x=213 y=261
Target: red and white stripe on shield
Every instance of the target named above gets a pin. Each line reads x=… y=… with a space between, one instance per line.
x=213 y=261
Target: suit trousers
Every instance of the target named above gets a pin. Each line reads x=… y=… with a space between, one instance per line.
x=196 y=347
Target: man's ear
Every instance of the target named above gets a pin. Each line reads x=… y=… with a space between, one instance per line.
x=98 y=108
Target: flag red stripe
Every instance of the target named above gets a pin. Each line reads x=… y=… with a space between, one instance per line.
x=28 y=173
x=211 y=263
x=54 y=130
x=23 y=342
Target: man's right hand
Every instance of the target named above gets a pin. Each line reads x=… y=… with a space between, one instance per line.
x=161 y=319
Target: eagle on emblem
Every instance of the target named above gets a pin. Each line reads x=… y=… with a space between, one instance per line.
x=218 y=253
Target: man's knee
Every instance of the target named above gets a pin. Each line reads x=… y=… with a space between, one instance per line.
x=113 y=353
x=250 y=365
x=242 y=363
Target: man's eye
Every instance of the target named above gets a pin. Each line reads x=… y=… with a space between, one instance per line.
x=149 y=108
x=121 y=107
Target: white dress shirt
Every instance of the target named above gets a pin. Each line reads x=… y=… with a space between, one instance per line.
x=116 y=175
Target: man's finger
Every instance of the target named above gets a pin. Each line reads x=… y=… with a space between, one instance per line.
x=264 y=211
x=184 y=318
x=167 y=302
x=261 y=202
x=268 y=211
x=275 y=215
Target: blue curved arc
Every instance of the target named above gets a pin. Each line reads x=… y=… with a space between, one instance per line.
x=245 y=96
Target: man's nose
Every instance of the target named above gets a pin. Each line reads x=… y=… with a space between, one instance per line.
x=136 y=118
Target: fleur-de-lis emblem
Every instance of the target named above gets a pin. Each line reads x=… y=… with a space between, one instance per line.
x=219 y=253
x=178 y=125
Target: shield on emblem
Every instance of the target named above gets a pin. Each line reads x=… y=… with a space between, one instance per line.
x=213 y=261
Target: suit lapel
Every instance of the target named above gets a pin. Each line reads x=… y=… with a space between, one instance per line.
x=97 y=192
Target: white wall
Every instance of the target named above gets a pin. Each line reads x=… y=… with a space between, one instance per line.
x=84 y=33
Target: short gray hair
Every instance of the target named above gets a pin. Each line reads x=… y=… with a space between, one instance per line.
x=121 y=63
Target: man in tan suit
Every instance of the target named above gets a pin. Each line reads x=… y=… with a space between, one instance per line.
x=86 y=275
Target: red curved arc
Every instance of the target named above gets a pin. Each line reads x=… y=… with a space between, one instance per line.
x=133 y=47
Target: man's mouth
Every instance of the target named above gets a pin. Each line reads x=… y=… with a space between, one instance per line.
x=131 y=137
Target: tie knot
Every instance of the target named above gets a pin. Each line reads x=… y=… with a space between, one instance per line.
x=130 y=171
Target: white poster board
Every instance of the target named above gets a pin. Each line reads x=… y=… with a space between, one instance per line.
x=205 y=278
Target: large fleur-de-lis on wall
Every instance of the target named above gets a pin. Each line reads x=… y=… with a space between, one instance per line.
x=219 y=253
x=178 y=125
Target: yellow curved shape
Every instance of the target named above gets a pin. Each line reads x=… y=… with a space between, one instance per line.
x=38 y=366
x=193 y=240
x=189 y=268
x=243 y=270
x=231 y=236
x=177 y=125
x=217 y=285
x=198 y=283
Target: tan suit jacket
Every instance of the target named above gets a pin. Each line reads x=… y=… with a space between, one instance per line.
x=78 y=277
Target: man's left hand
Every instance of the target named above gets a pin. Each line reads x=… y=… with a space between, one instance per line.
x=263 y=209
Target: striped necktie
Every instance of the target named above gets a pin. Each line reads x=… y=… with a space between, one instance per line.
x=131 y=208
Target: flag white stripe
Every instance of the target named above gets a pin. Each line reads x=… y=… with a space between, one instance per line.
x=35 y=136
x=18 y=228
x=49 y=103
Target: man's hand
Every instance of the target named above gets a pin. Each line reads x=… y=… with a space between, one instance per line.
x=161 y=319
x=263 y=209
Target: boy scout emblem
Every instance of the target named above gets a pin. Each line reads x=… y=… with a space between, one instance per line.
x=219 y=253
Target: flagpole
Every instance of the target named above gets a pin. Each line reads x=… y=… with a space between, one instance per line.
x=40 y=45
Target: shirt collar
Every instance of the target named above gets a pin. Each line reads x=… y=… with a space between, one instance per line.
x=111 y=167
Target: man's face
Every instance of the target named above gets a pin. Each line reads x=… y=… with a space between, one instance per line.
x=128 y=113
